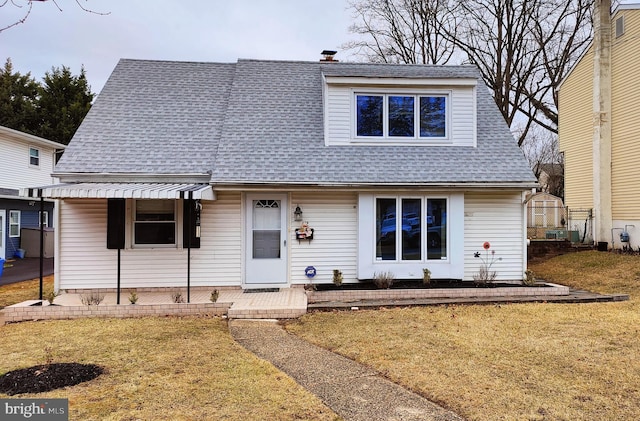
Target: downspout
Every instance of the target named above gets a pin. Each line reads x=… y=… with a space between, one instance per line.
x=602 y=120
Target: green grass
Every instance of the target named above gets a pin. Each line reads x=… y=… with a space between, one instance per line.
x=509 y=362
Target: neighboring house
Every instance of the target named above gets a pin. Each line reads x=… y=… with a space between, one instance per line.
x=550 y=178
x=599 y=126
x=206 y=172
x=25 y=160
x=546 y=217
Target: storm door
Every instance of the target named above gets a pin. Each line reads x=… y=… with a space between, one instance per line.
x=266 y=241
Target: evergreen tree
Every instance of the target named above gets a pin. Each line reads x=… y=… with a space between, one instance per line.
x=18 y=97
x=63 y=101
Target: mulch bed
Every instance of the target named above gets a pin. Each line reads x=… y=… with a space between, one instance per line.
x=46 y=377
x=411 y=284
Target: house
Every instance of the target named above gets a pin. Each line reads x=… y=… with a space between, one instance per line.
x=550 y=177
x=25 y=160
x=266 y=174
x=599 y=125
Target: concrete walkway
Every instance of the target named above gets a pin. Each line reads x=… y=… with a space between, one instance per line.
x=351 y=390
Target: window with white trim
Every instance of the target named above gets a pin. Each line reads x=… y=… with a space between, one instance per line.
x=410 y=228
x=34 y=157
x=14 y=223
x=401 y=116
x=154 y=223
x=44 y=218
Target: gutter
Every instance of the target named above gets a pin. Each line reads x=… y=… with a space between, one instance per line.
x=247 y=186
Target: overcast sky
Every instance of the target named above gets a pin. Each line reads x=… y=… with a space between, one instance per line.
x=194 y=30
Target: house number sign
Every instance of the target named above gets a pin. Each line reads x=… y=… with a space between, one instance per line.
x=310 y=271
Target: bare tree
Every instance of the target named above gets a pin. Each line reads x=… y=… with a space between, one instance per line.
x=403 y=31
x=523 y=48
x=24 y=8
x=545 y=159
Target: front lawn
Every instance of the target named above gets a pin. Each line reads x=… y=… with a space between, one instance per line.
x=22 y=291
x=164 y=368
x=509 y=362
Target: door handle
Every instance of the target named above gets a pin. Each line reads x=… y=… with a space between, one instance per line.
x=285 y=243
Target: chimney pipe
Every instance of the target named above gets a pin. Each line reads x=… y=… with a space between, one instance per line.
x=327 y=55
x=602 y=119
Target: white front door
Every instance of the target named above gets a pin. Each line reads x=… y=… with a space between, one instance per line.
x=266 y=251
x=3 y=216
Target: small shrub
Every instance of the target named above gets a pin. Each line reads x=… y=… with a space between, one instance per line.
x=93 y=299
x=529 y=278
x=485 y=275
x=383 y=280
x=337 y=277
x=214 y=296
x=426 y=276
x=177 y=297
x=51 y=295
x=133 y=297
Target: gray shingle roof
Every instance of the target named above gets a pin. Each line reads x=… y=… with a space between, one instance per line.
x=253 y=121
x=153 y=117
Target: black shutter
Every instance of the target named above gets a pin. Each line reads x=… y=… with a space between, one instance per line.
x=189 y=217
x=116 y=215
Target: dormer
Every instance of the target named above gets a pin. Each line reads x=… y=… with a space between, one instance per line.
x=405 y=108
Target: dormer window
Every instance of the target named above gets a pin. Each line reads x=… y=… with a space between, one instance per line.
x=401 y=116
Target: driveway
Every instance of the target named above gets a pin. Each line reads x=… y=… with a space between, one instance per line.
x=25 y=269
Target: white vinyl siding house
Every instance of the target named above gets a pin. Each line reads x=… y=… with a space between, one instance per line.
x=266 y=138
x=25 y=160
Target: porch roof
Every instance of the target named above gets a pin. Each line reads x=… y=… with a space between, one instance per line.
x=122 y=190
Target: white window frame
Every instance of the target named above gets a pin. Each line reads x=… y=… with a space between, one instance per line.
x=34 y=156
x=398 y=140
x=423 y=228
x=46 y=218
x=14 y=224
x=176 y=219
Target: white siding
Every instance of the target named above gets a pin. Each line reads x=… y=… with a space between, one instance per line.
x=499 y=219
x=219 y=260
x=14 y=165
x=334 y=218
x=85 y=262
x=462 y=124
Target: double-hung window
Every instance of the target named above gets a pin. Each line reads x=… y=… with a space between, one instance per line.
x=34 y=157
x=411 y=228
x=14 y=223
x=400 y=116
x=154 y=222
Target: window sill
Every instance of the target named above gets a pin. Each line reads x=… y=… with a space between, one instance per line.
x=387 y=141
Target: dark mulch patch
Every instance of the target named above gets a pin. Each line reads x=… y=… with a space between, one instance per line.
x=408 y=284
x=42 y=378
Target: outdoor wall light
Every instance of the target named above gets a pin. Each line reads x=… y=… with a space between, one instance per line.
x=297 y=214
